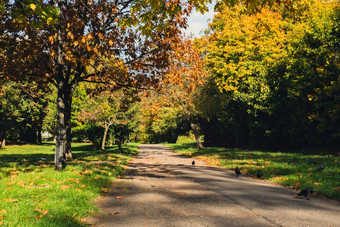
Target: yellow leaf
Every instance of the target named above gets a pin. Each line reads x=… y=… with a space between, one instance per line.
x=33 y=7
x=119 y=197
x=114 y=213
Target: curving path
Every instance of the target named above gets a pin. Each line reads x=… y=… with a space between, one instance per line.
x=163 y=189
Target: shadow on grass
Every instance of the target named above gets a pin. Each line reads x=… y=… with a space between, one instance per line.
x=90 y=172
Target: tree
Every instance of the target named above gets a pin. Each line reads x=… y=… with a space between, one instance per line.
x=22 y=110
x=186 y=74
x=274 y=76
x=107 y=109
x=72 y=49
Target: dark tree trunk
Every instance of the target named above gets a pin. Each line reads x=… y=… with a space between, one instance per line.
x=197 y=136
x=120 y=145
x=60 y=147
x=39 y=141
x=2 y=135
x=68 y=109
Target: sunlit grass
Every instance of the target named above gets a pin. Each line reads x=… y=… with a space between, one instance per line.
x=293 y=170
x=34 y=194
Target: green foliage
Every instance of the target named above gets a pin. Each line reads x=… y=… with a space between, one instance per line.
x=274 y=78
x=22 y=108
x=34 y=194
x=293 y=170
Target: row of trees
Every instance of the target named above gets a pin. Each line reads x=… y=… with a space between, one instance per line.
x=266 y=73
x=271 y=81
x=63 y=43
x=275 y=75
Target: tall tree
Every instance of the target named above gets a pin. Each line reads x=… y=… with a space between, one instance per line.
x=186 y=74
x=70 y=46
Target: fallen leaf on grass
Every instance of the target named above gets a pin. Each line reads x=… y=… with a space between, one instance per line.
x=34 y=196
x=317 y=184
x=120 y=197
x=10 y=200
x=64 y=187
x=1 y=222
x=42 y=212
x=297 y=185
x=114 y=213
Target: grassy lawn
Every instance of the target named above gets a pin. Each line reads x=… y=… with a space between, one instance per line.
x=292 y=170
x=32 y=193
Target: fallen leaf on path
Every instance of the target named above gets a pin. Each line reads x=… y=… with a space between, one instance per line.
x=180 y=194
x=120 y=197
x=114 y=213
x=105 y=190
x=153 y=186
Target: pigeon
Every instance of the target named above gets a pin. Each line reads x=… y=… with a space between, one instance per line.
x=259 y=174
x=320 y=169
x=305 y=192
x=193 y=163
x=237 y=171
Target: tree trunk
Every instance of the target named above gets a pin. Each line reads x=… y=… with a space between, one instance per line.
x=104 y=136
x=2 y=135
x=111 y=137
x=68 y=109
x=60 y=147
x=120 y=145
x=39 y=134
x=197 y=136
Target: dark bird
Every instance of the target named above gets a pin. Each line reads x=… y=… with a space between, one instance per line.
x=193 y=163
x=259 y=174
x=305 y=192
x=237 y=171
x=321 y=168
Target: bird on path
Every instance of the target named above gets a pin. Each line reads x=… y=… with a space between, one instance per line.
x=193 y=163
x=237 y=171
x=305 y=192
x=259 y=174
x=321 y=168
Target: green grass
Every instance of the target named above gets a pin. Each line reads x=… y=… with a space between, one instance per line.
x=293 y=170
x=32 y=193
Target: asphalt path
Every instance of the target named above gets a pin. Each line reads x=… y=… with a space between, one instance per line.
x=162 y=188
